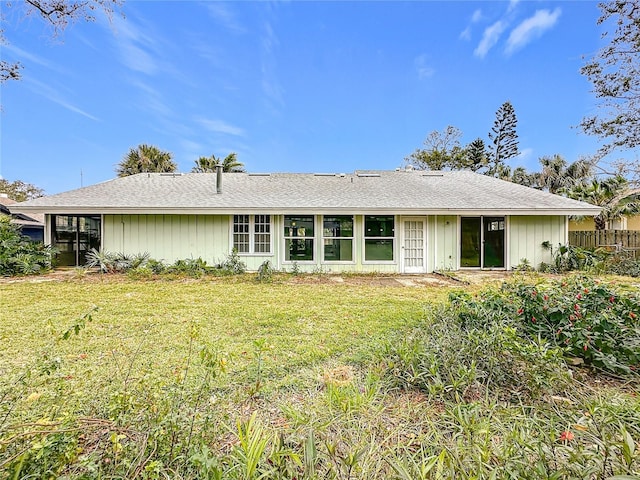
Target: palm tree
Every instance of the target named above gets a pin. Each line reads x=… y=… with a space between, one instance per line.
x=614 y=195
x=557 y=177
x=230 y=164
x=146 y=158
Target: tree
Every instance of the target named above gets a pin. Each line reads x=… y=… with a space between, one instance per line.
x=443 y=151
x=556 y=176
x=476 y=155
x=230 y=164
x=504 y=140
x=57 y=13
x=613 y=194
x=522 y=177
x=19 y=190
x=615 y=74
x=146 y=158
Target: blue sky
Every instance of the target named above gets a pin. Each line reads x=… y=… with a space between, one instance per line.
x=295 y=86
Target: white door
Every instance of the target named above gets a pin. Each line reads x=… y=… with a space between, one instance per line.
x=413 y=247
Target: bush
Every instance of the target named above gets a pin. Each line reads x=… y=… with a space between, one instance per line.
x=109 y=262
x=18 y=254
x=567 y=258
x=623 y=264
x=232 y=264
x=586 y=318
x=265 y=272
x=466 y=351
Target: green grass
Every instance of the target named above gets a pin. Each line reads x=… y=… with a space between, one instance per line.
x=295 y=386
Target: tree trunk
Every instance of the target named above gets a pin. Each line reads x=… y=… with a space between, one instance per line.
x=599 y=222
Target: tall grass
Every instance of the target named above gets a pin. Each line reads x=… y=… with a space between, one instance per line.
x=236 y=379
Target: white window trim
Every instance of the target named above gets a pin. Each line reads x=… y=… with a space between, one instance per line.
x=314 y=260
x=394 y=240
x=352 y=238
x=252 y=234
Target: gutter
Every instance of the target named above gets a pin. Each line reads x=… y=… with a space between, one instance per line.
x=94 y=210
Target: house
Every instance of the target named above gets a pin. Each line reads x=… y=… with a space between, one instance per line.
x=625 y=222
x=31 y=226
x=401 y=221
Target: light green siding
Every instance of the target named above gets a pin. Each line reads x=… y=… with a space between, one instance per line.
x=168 y=237
x=526 y=235
x=443 y=242
x=173 y=237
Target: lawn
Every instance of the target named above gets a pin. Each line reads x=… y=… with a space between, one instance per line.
x=232 y=378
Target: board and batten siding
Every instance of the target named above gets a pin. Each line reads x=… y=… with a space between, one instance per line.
x=443 y=242
x=527 y=233
x=168 y=237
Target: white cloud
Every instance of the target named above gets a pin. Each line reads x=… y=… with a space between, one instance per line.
x=136 y=46
x=531 y=28
x=512 y=5
x=270 y=82
x=224 y=16
x=475 y=18
x=422 y=67
x=55 y=96
x=490 y=37
x=24 y=55
x=525 y=153
x=220 y=126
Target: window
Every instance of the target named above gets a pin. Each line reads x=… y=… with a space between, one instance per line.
x=73 y=236
x=252 y=233
x=337 y=233
x=298 y=238
x=379 y=232
x=262 y=231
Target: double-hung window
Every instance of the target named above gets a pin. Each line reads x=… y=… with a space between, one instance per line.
x=298 y=238
x=379 y=233
x=337 y=233
x=252 y=233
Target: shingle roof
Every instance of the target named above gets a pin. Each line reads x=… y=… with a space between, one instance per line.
x=370 y=191
x=33 y=220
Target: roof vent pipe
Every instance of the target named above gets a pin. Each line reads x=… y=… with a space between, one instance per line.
x=218 y=179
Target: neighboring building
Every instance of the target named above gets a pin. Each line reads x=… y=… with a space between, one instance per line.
x=384 y=221
x=31 y=226
x=623 y=223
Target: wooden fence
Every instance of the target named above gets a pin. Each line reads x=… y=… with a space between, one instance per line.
x=618 y=240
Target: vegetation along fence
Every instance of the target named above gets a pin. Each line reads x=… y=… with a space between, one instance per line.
x=617 y=240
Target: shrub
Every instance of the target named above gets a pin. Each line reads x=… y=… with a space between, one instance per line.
x=567 y=258
x=466 y=351
x=18 y=254
x=194 y=267
x=265 y=272
x=588 y=319
x=623 y=264
x=109 y=262
x=232 y=264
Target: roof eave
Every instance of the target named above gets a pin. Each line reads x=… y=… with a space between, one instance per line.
x=93 y=210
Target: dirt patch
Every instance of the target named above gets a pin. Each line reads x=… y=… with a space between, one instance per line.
x=381 y=280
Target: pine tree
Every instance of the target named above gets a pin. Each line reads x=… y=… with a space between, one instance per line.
x=503 y=139
x=476 y=155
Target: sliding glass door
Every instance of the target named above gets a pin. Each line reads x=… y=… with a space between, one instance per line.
x=482 y=242
x=73 y=236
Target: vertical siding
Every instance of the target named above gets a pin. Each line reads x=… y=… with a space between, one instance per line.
x=444 y=243
x=526 y=235
x=168 y=237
